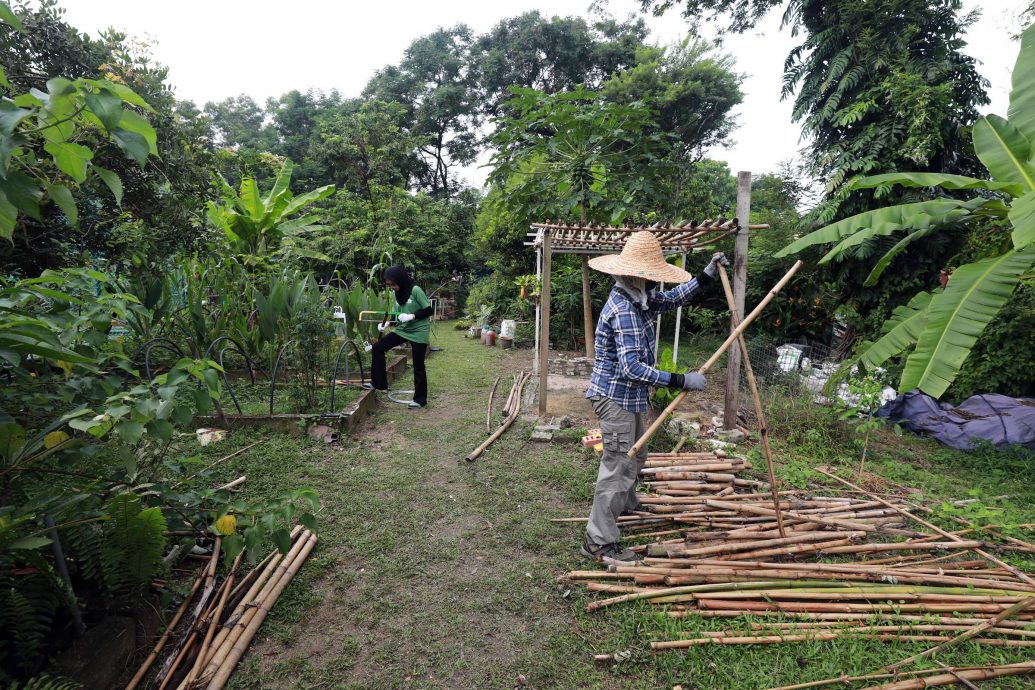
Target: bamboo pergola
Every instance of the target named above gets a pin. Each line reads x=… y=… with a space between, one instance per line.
x=680 y=239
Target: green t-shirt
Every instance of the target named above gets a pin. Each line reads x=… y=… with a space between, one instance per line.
x=415 y=331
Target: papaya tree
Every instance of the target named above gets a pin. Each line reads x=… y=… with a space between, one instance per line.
x=939 y=328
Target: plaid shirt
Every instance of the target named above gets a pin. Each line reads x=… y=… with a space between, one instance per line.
x=624 y=341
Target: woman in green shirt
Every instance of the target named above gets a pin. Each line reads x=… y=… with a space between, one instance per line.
x=414 y=325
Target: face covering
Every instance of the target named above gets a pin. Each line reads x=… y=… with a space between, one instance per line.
x=636 y=288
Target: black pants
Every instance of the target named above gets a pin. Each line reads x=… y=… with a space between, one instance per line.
x=378 y=375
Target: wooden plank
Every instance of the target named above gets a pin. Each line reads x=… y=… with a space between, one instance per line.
x=740 y=254
x=587 y=309
x=544 y=325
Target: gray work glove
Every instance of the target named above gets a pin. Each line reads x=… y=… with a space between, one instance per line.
x=692 y=381
x=712 y=269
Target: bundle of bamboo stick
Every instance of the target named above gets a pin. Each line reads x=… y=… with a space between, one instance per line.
x=713 y=549
x=223 y=619
x=511 y=410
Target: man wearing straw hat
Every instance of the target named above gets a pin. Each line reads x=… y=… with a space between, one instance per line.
x=624 y=370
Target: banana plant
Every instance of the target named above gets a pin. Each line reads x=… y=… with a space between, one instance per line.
x=942 y=327
x=260 y=227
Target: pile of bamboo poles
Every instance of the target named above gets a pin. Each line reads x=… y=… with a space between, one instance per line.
x=214 y=625
x=713 y=549
x=511 y=410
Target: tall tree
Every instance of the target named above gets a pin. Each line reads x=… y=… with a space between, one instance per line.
x=435 y=85
x=551 y=55
x=240 y=122
x=879 y=86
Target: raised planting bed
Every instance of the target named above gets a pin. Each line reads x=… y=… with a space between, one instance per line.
x=255 y=410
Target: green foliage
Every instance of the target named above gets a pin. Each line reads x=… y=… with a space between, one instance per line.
x=570 y=154
x=661 y=397
x=264 y=227
x=952 y=320
x=61 y=122
x=677 y=82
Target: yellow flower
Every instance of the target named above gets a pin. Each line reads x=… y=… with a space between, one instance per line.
x=226 y=525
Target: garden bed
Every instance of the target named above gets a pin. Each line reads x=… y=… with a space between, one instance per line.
x=255 y=412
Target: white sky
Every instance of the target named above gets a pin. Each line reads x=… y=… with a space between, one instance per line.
x=223 y=48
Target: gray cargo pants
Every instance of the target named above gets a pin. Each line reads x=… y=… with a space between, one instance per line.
x=616 y=480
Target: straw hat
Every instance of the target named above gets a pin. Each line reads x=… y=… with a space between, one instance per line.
x=641 y=257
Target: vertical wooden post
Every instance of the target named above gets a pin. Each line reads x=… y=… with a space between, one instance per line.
x=740 y=258
x=679 y=323
x=544 y=326
x=657 y=332
x=587 y=309
x=538 y=307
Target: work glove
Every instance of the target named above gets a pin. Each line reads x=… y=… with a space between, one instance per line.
x=692 y=381
x=712 y=269
x=404 y=318
x=382 y=327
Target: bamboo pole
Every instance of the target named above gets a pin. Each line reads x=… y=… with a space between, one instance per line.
x=1016 y=573
x=255 y=582
x=951 y=678
x=227 y=666
x=520 y=384
x=488 y=414
x=587 y=310
x=840 y=680
x=642 y=441
x=213 y=622
x=969 y=634
x=142 y=671
x=763 y=428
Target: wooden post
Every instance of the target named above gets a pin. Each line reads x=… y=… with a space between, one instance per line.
x=544 y=318
x=740 y=252
x=587 y=309
x=679 y=322
x=538 y=307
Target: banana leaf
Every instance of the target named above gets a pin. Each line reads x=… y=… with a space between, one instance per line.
x=1004 y=150
x=1021 y=111
x=956 y=317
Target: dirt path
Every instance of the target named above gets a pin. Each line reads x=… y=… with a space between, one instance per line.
x=433 y=572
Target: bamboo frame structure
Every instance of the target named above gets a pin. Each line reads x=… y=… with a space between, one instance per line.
x=584 y=239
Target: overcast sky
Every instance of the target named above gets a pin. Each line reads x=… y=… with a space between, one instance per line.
x=221 y=48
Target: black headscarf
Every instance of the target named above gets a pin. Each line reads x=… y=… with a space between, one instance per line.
x=399 y=276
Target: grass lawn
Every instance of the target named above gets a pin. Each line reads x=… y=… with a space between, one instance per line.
x=436 y=573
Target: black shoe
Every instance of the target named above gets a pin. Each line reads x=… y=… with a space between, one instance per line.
x=608 y=552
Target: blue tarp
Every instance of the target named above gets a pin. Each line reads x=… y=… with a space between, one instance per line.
x=998 y=419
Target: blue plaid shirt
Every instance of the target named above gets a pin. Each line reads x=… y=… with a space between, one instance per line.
x=624 y=341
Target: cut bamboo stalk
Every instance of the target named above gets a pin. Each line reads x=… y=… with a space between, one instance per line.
x=763 y=429
x=969 y=634
x=268 y=567
x=248 y=611
x=1017 y=573
x=840 y=680
x=213 y=622
x=825 y=636
x=231 y=485
x=736 y=333
x=227 y=666
x=474 y=454
x=488 y=413
x=142 y=671
x=951 y=678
